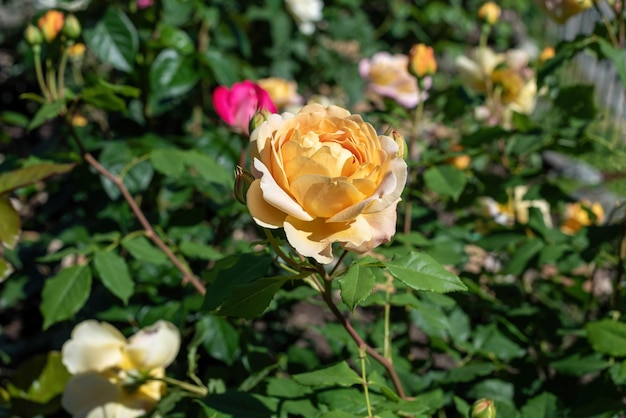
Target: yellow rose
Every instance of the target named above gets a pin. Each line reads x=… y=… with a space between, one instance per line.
x=283 y=92
x=325 y=176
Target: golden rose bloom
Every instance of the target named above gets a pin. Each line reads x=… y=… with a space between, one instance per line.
x=422 y=60
x=111 y=375
x=325 y=176
x=561 y=10
x=577 y=216
x=51 y=24
x=283 y=92
x=489 y=12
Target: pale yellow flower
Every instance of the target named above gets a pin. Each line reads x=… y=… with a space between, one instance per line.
x=283 y=92
x=515 y=208
x=577 y=216
x=325 y=176
x=76 y=51
x=561 y=10
x=112 y=375
x=388 y=75
x=506 y=80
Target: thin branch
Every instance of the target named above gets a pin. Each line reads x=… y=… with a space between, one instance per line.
x=327 y=296
x=188 y=276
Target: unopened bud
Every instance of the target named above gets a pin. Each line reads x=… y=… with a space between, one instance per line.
x=422 y=60
x=489 y=12
x=259 y=117
x=51 y=24
x=399 y=139
x=33 y=35
x=76 y=51
x=71 y=28
x=483 y=408
x=243 y=180
x=546 y=54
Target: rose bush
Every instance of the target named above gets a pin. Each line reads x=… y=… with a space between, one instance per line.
x=325 y=176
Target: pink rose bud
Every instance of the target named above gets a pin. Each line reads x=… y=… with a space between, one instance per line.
x=238 y=105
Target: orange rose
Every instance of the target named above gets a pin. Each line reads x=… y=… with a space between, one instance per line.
x=51 y=24
x=325 y=176
x=422 y=60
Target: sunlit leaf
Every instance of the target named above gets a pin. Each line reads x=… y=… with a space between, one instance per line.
x=64 y=294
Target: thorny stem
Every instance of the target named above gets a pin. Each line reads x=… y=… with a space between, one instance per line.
x=328 y=299
x=188 y=277
x=52 y=84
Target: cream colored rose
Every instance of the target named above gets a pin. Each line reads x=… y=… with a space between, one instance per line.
x=112 y=375
x=283 y=92
x=325 y=176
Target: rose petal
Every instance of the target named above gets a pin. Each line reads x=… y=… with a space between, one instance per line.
x=88 y=393
x=93 y=346
x=154 y=346
x=263 y=213
x=383 y=226
x=277 y=197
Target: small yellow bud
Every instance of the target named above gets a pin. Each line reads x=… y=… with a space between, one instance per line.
x=33 y=35
x=489 y=12
x=79 y=121
x=243 y=180
x=422 y=60
x=76 y=51
x=546 y=54
x=51 y=24
x=483 y=408
x=71 y=28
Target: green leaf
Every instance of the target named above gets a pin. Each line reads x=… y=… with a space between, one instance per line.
x=21 y=177
x=251 y=299
x=64 y=294
x=141 y=249
x=103 y=98
x=14 y=118
x=114 y=40
x=579 y=365
x=421 y=272
x=10 y=225
x=233 y=271
x=40 y=378
x=607 y=337
x=545 y=405
x=121 y=89
x=172 y=74
x=46 y=112
x=196 y=250
x=114 y=274
x=225 y=69
x=356 y=284
x=617 y=55
x=219 y=338
x=523 y=254
x=171 y=37
x=491 y=342
x=209 y=169
x=168 y=162
x=446 y=180
x=339 y=374
x=5 y=269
